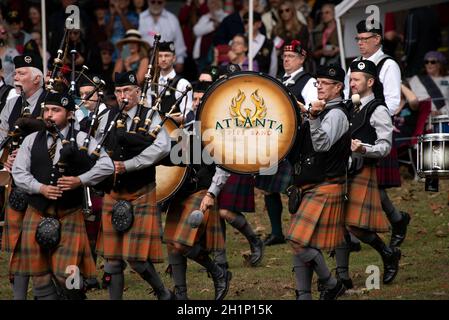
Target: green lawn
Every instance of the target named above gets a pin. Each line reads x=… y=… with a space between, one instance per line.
x=423 y=273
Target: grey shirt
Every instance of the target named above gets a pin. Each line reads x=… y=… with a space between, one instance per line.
x=151 y=155
x=9 y=105
x=325 y=133
x=22 y=164
x=381 y=121
x=218 y=181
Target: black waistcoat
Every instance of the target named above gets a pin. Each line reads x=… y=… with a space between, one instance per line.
x=45 y=172
x=317 y=166
x=17 y=109
x=263 y=56
x=169 y=98
x=361 y=128
x=301 y=80
x=134 y=180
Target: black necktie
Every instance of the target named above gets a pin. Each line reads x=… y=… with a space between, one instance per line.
x=357 y=108
x=285 y=78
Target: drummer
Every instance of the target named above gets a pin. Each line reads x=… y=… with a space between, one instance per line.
x=200 y=191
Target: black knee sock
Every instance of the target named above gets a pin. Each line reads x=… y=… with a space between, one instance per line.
x=20 y=287
x=148 y=273
x=212 y=267
x=392 y=213
x=303 y=276
x=274 y=207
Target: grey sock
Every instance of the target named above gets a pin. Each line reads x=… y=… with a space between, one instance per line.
x=303 y=276
x=179 y=268
x=242 y=225
x=319 y=266
x=342 y=259
x=392 y=213
x=220 y=256
x=20 y=287
x=117 y=283
x=45 y=292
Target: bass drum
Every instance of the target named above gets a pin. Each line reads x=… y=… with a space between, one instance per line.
x=249 y=122
x=169 y=178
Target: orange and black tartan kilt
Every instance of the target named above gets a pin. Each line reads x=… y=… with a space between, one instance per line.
x=73 y=249
x=319 y=220
x=364 y=209
x=140 y=243
x=209 y=233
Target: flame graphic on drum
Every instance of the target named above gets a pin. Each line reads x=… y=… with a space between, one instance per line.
x=259 y=103
x=436 y=157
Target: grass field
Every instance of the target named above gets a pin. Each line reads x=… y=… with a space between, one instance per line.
x=423 y=268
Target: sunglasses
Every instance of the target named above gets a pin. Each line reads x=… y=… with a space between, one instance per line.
x=281 y=11
x=430 y=61
x=157 y=2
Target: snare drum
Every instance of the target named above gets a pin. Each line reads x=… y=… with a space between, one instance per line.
x=249 y=122
x=440 y=124
x=433 y=155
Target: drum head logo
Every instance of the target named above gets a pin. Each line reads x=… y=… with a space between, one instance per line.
x=247 y=117
x=28 y=59
x=361 y=65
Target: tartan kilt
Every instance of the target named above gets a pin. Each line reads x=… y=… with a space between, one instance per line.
x=364 y=209
x=277 y=182
x=209 y=233
x=319 y=221
x=388 y=175
x=73 y=249
x=237 y=194
x=140 y=243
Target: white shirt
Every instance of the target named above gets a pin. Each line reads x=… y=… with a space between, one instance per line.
x=168 y=27
x=421 y=93
x=12 y=93
x=309 y=92
x=256 y=45
x=181 y=86
x=204 y=26
x=390 y=76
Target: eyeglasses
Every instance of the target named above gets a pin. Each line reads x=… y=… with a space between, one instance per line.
x=156 y=2
x=364 y=39
x=430 y=61
x=323 y=83
x=281 y=11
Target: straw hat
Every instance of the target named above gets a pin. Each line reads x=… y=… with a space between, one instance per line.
x=132 y=35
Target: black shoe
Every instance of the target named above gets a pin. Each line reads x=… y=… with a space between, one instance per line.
x=399 y=230
x=272 y=239
x=221 y=284
x=334 y=293
x=346 y=282
x=257 y=249
x=180 y=293
x=391 y=264
x=165 y=294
